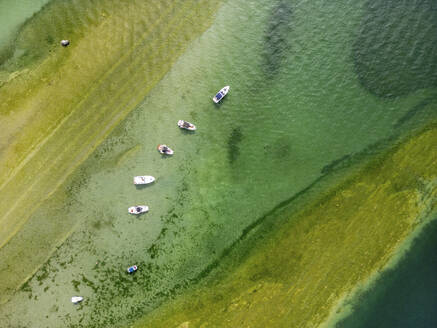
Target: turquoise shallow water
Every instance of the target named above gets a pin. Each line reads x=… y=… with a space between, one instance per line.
x=12 y=15
x=300 y=100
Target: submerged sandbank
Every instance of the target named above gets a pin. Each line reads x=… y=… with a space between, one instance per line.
x=58 y=104
x=296 y=274
x=271 y=143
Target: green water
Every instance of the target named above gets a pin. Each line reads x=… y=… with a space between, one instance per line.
x=13 y=14
x=300 y=100
x=403 y=296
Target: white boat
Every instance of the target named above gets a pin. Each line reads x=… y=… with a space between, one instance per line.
x=76 y=299
x=186 y=125
x=165 y=150
x=132 y=269
x=138 y=209
x=143 y=179
x=219 y=96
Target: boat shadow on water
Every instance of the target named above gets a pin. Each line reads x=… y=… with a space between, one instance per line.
x=165 y=156
x=184 y=131
x=222 y=101
x=144 y=186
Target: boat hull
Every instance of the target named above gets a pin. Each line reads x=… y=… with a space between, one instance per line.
x=143 y=179
x=168 y=152
x=139 y=209
x=191 y=126
x=221 y=94
x=76 y=299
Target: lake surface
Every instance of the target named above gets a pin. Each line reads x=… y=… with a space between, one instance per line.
x=312 y=84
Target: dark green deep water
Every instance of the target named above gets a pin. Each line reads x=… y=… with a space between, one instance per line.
x=395 y=50
x=312 y=84
x=405 y=296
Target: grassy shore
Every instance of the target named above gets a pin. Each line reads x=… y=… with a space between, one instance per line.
x=58 y=104
x=297 y=272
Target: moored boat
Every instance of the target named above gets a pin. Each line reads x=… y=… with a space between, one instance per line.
x=143 y=179
x=219 y=96
x=138 y=209
x=165 y=150
x=132 y=269
x=76 y=299
x=186 y=125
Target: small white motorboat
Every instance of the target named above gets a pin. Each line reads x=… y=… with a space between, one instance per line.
x=143 y=179
x=186 y=125
x=132 y=269
x=219 y=96
x=138 y=209
x=165 y=150
x=76 y=299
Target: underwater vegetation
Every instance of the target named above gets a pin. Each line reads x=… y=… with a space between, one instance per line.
x=276 y=42
x=234 y=144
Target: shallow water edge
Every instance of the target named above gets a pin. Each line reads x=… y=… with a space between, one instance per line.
x=353 y=232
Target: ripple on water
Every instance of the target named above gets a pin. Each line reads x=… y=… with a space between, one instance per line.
x=395 y=52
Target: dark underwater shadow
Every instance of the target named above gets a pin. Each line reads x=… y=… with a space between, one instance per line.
x=395 y=51
x=234 y=141
x=276 y=43
x=415 y=110
x=145 y=186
